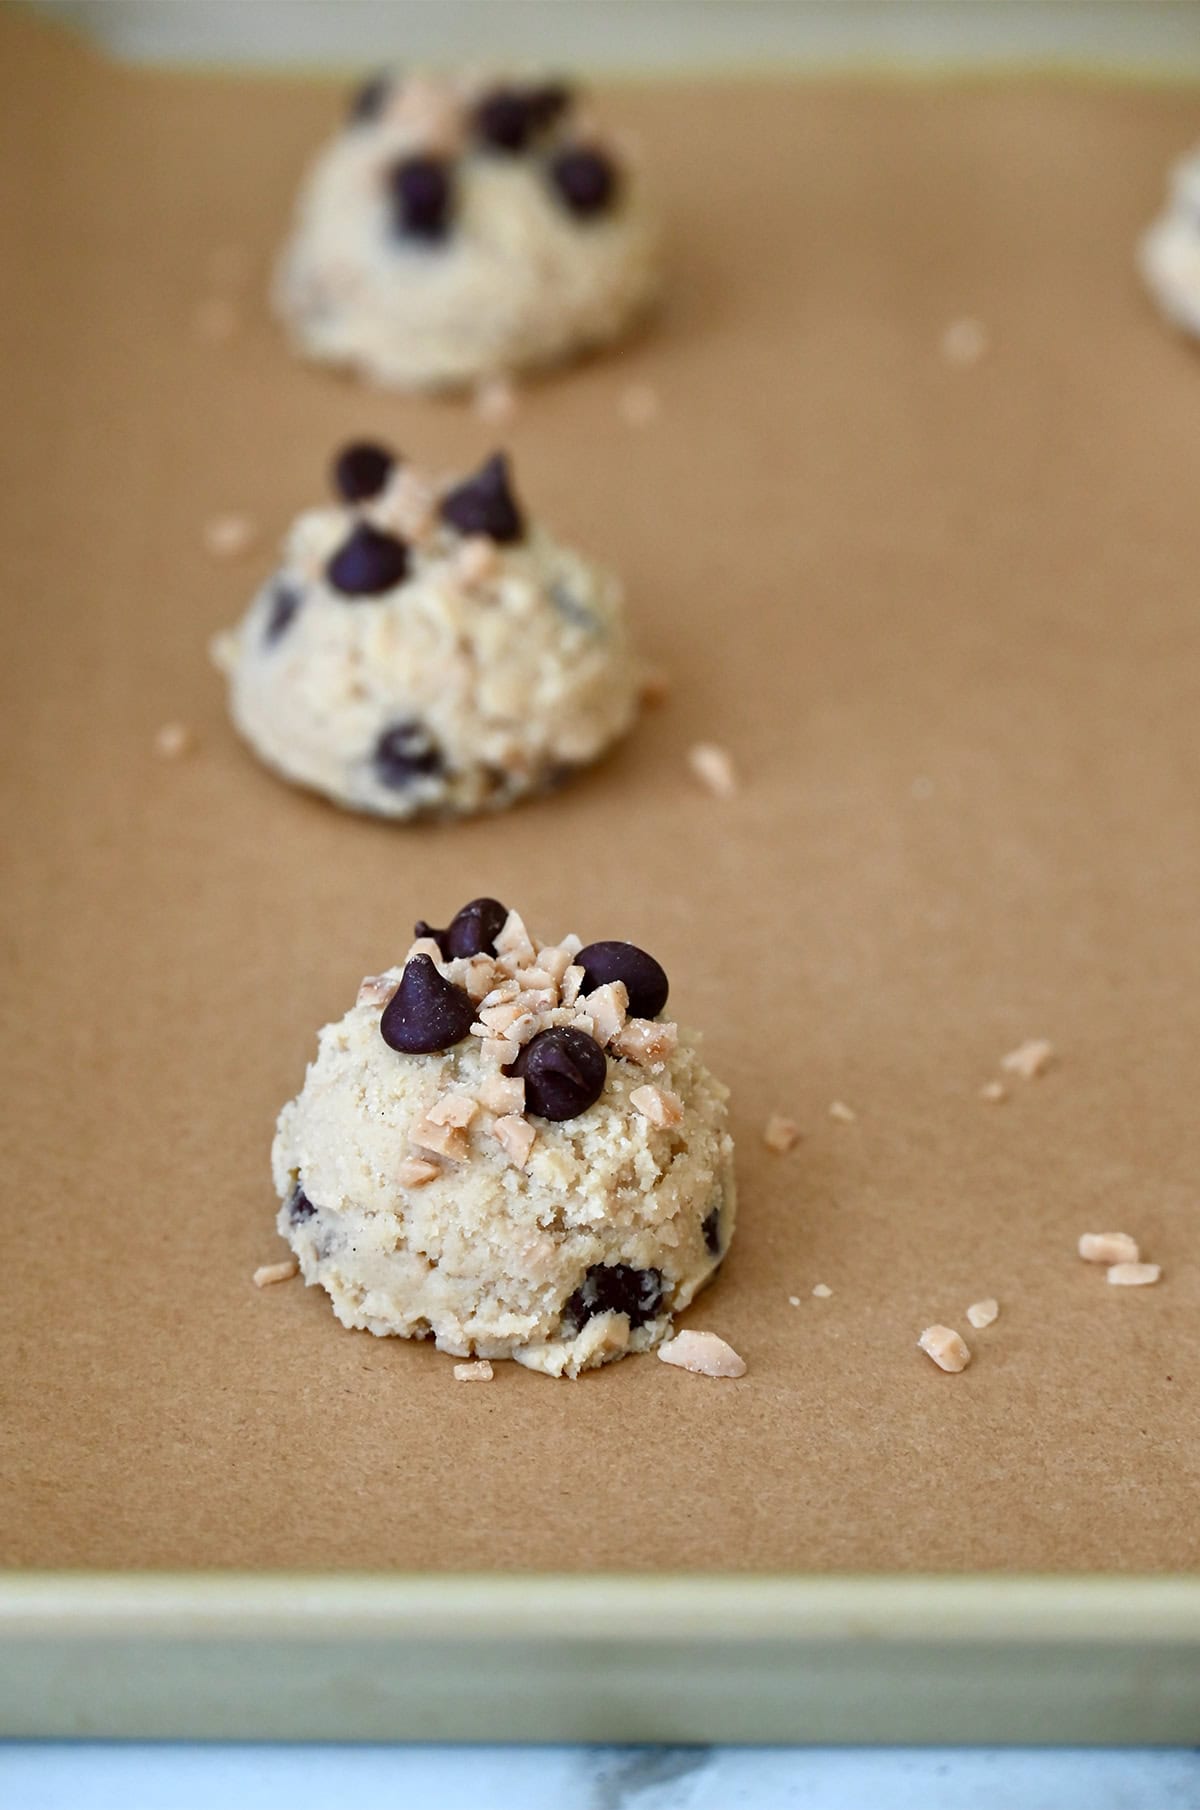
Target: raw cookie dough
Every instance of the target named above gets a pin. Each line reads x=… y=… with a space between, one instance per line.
x=1169 y=254
x=456 y=230
x=504 y=1146
x=423 y=651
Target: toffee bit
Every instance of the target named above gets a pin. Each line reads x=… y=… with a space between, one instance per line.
x=1134 y=1275
x=845 y=1115
x=1029 y=1059
x=173 y=740
x=982 y=1313
x=946 y=1347
x=229 y=536
x=703 y=1353
x=822 y=1291
x=268 y=1273
x=713 y=767
x=780 y=1134
x=993 y=1091
x=1108 y=1247
x=478 y=1372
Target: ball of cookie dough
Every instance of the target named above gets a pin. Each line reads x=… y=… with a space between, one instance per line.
x=490 y=1151
x=457 y=230
x=1169 y=254
x=424 y=651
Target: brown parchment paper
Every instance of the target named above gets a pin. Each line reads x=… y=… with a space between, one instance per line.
x=947 y=621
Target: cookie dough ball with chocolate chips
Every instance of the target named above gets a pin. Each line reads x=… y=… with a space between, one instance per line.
x=427 y=650
x=457 y=230
x=505 y=1146
x=1169 y=254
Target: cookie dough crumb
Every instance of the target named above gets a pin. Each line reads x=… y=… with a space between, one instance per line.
x=663 y=1108
x=173 y=740
x=1134 y=1275
x=965 y=342
x=478 y=1372
x=639 y=404
x=982 y=1313
x=267 y=1273
x=215 y=320
x=229 y=536
x=822 y=1291
x=1108 y=1247
x=713 y=767
x=495 y=399
x=994 y=1091
x=845 y=1115
x=702 y=1352
x=946 y=1347
x=1029 y=1059
x=793 y=1300
x=416 y=1171
x=780 y=1134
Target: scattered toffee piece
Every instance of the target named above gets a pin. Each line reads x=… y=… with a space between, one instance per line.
x=471 y=931
x=285 y=601
x=645 y=981
x=361 y=470
x=404 y=753
x=422 y=194
x=367 y=563
x=615 y=1288
x=712 y=1231
x=299 y=1206
x=368 y=101
x=585 y=181
x=426 y=1012
x=484 y=504
x=564 y=1071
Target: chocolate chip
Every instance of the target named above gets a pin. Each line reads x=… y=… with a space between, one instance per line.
x=422 y=193
x=368 y=101
x=471 y=931
x=509 y=119
x=403 y=753
x=564 y=1072
x=361 y=470
x=615 y=1288
x=285 y=601
x=586 y=181
x=548 y=102
x=484 y=504
x=426 y=1012
x=645 y=981
x=299 y=1206
x=712 y=1231
x=367 y=563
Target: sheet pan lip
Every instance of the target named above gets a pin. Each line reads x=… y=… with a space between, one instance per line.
x=568 y=1610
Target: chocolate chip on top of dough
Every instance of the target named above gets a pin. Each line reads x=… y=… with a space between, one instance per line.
x=615 y=1288
x=403 y=753
x=509 y=119
x=369 y=100
x=299 y=1206
x=422 y=197
x=426 y=1012
x=644 y=980
x=285 y=601
x=471 y=931
x=361 y=470
x=564 y=1072
x=368 y=562
x=484 y=504
x=585 y=181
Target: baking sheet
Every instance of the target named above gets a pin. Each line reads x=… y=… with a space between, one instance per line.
x=947 y=622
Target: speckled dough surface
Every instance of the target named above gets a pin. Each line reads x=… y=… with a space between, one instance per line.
x=457 y=229
x=1169 y=254
x=427 y=653
x=431 y=1196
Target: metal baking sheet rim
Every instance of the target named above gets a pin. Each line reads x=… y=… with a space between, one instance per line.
x=1092 y=1660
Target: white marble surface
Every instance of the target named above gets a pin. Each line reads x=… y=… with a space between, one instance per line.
x=96 y=1776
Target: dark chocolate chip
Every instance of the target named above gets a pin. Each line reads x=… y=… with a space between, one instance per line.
x=548 y=102
x=426 y=1012
x=586 y=181
x=299 y=1206
x=484 y=504
x=422 y=195
x=645 y=981
x=367 y=563
x=505 y=121
x=712 y=1231
x=285 y=601
x=368 y=101
x=564 y=1072
x=615 y=1288
x=361 y=470
x=471 y=931
x=404 y=753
